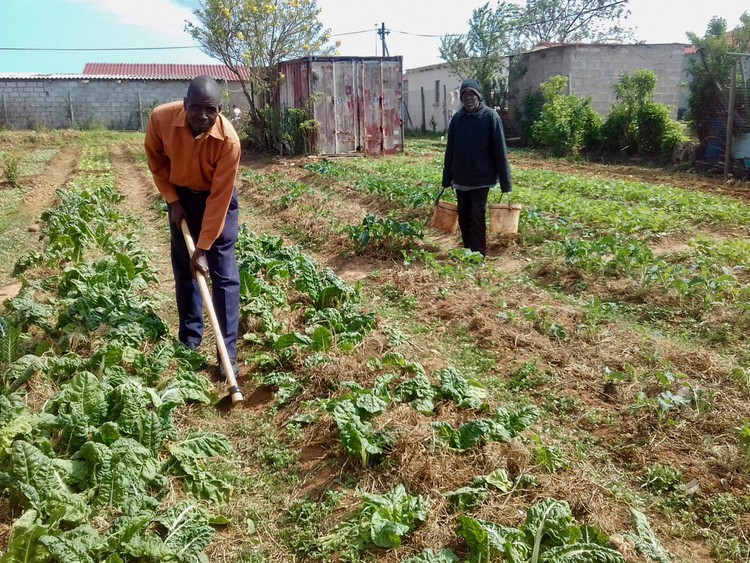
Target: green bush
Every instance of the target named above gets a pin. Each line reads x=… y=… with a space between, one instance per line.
x=567 y=124
x=12 y=169
x=530 y=112
x=671 y=137
x=618 y=131
x=651 y=122
x=637 y=124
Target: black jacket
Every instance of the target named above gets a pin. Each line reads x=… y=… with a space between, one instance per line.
x=476 y=154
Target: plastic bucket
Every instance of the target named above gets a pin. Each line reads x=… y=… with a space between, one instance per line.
x=504 y=218
x=445 y=217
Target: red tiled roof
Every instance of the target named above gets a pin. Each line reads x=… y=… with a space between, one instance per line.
x=159 y=71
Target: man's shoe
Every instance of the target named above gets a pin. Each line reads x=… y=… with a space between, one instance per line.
x=191 y=345
x=235 y=368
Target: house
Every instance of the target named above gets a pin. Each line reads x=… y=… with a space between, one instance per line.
x=116 y=96
x=592 y=70
x=430 y=97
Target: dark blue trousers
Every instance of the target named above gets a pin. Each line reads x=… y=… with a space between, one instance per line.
x=472 y=208
x=222 y=266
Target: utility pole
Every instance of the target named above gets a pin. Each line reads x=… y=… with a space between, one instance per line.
x=383 y=32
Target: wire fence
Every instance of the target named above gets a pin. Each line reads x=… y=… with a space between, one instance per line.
x=726 y=139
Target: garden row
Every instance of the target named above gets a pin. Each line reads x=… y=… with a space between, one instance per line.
x=659 y=395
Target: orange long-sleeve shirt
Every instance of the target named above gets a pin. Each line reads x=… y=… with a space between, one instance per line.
x=208 y=162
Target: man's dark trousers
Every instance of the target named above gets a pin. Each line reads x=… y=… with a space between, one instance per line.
x=472 y=205
x=222 y=266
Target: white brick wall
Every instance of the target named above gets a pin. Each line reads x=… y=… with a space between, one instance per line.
x=593 y=69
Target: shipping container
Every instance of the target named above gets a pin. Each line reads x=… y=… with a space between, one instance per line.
x=355 y=100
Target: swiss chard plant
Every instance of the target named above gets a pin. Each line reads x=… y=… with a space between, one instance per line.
x=549 y=534
x=381 y=520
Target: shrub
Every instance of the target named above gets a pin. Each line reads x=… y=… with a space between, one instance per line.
x=532 y=109
x=567 y=124
x=636 y=123
x=651 y=122
x=12 y=169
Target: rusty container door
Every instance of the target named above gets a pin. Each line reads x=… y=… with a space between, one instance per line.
x=379 y=83
x=335 y=105
x=356 y=101
x=294 y=84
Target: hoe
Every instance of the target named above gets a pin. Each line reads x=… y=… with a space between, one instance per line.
x=234 y=390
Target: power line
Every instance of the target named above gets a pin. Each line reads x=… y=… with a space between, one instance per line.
x=96 y=49
x=352 y=32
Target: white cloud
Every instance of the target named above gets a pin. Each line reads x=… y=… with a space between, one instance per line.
x=160 y=16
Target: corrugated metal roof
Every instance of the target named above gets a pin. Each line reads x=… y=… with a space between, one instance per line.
x=37 y=76
x=159 y=71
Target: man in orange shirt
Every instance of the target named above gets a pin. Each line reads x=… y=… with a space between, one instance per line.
x=193 y=153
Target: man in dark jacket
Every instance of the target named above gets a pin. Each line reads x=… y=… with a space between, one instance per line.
x=476 y=159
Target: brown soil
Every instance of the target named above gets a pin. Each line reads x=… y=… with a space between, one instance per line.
x=608 y=446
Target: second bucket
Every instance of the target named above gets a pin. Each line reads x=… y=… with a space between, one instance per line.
x=504 y=218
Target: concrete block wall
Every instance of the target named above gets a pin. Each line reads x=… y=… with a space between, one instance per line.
x=80 y=102
x=593 y=69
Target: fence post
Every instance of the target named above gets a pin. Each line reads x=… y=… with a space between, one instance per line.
x=730 y=119
x=445 y=108
x=5 y=111
x=140 y=109
x=70 y=106
x=424 y=122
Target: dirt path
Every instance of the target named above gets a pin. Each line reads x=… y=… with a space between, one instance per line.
x=40 y=197
x=42 y=188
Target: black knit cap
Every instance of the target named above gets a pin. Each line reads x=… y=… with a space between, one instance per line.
x=471 y=85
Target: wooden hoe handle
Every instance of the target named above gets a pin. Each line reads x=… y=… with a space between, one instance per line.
x=234 y=390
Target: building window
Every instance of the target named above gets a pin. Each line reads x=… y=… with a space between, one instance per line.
x=437 y=91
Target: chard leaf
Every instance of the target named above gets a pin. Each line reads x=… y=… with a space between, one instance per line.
x=467 y=393
x=500 y=480
x=204 y=444
x=185 y=462
x=322 y=339
x=428 y=556
x=20 y=371
x=392 y=515
x=418 y=392
x=466 y=498
x=64 y=549
x=371 y=404
x=645 y=539
x=153 y=432
x=550 y=519
x=187 y=529
x=108 y=433
x=19 y=427
x=581 y=553
x=10 y=344
x=487 y=541
x=24 y=545
x=129 y=469
x=71 y=507
x=83 y=395
x=518 y=421
x=30 y=467
x=191 y=387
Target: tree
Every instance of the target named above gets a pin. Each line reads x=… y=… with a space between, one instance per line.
x=495 y=34
x=251 y=36
x=711 y=71
x=574 y=21
x=480 y=53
